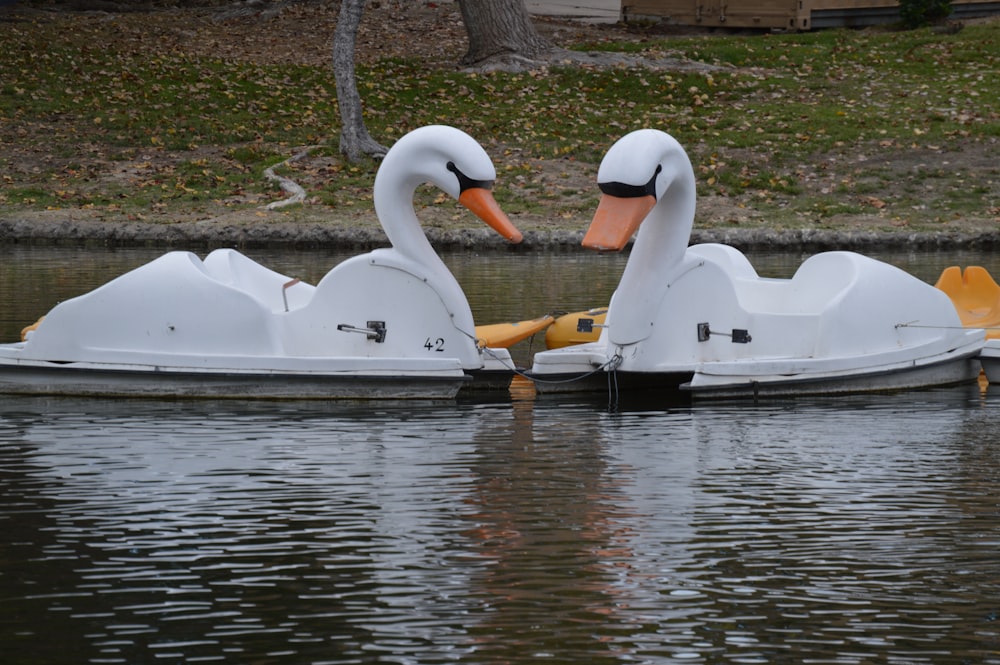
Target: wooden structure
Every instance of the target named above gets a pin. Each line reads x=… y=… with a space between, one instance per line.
x=784 y=14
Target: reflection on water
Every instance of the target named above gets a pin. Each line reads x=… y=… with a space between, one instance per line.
x=848 y=530
x=852 y=530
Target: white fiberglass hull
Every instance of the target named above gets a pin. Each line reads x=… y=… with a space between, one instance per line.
x=348 y=379
x=989 y=357
x=583 y=368
x=949 y=370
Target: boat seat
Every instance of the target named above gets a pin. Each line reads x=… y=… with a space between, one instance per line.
x=818 y=282
x=278 y=292
x=976 y=297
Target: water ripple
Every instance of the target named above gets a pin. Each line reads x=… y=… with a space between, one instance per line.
x=849 y=531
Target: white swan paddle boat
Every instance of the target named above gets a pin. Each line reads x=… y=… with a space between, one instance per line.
x=392 y=323
x=701 y=320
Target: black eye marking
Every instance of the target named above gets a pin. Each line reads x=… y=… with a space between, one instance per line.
x=625 y=191
x=465 y=182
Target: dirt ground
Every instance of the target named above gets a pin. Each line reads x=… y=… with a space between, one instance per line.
x=298 y=33
x=302 y=33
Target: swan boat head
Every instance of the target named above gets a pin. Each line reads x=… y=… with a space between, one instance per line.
x=645 y=174
x=647 y=184
x=452 y=161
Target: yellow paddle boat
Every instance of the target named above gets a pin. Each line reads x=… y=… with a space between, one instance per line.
x=976 y=297
x=506 y=335
x=560 y=329
x=575 y=328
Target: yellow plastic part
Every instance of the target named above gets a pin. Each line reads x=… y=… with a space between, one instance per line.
x=566 y=330
x=976 y=297
x=505 y=335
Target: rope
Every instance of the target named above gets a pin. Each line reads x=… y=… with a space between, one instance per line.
x=612 y=363
x=615 y=361
x=917 y=325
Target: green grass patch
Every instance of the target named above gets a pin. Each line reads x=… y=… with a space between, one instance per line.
x=89 y=123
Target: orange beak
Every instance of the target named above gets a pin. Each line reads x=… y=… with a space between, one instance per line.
x=616 y=221
x=482 y=204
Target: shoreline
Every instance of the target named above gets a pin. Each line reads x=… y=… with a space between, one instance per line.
x=313 y=234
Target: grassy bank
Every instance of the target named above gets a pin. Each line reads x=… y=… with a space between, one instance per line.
x=119 y=117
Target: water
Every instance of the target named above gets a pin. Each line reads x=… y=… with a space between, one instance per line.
x=519 y=530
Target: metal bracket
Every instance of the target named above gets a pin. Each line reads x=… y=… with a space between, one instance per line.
x=586 y=325
x=737 y=335
x=374 y=331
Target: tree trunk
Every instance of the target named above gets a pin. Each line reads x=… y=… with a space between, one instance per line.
x=355 y=140
x=500 y=31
